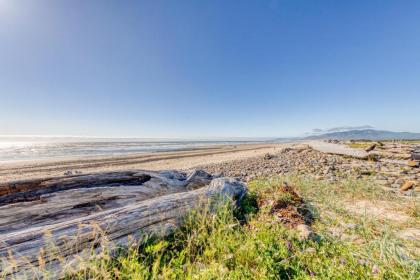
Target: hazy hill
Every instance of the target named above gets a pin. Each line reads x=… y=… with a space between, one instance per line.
x=368 y=134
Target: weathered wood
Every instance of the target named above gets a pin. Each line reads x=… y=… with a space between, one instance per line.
x=52 y=232
x=371 y=147
x=33 y=189
x=82 y=195
x=338 y=149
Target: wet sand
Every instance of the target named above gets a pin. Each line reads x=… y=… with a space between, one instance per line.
x=151 y=161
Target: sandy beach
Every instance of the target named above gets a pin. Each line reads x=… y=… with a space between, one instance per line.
x=151 y=161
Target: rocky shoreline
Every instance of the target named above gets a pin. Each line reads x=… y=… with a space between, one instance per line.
x=301 y=159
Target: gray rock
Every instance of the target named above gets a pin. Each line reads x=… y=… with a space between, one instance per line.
x=399 y=181
x=305 y=232
x=382 y=182
x=268 y=156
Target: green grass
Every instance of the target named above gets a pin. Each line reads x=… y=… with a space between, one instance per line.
x=249 y=243
x=414 y=141
x=366 y=144
x=359 y=145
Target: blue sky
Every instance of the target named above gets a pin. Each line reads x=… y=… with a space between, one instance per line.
x=207 y=68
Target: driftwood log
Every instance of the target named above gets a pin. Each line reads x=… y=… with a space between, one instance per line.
x=49 y=227
x=338 y=149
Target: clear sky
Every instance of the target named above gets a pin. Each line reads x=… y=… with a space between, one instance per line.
x=207 y=68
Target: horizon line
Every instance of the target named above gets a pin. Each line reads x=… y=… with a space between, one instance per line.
x=137 y=137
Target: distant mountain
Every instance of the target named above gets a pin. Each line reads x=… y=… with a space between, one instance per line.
x=367 y=134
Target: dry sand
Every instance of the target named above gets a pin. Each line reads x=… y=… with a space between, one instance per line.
x=150 y=161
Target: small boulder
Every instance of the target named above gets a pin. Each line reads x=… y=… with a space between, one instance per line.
x=399 y=181
x=381 y=182
x=373 y=157
x=408 y=185
x=415 y=155
x=365 y=172
x=268 y=156
x=305 y=232
x=413 y=163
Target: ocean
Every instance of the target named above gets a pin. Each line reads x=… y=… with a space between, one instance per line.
x=56 y=149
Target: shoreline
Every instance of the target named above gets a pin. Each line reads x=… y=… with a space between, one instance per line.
x=47 y=151
x=76 y=157
x=185 y=159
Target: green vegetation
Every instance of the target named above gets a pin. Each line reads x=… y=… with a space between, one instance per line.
x=359 y=145
x=363 y=144
x=250 y=243
x=406 y=141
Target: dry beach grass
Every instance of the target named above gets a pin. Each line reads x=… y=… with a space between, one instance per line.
x=221 y=245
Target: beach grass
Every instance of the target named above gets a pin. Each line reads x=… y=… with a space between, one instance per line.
x=365 y=144
x=248 y=242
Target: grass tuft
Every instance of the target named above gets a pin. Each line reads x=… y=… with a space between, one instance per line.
x=249 y=243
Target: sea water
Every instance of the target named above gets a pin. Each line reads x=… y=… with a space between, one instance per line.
x=52 y=149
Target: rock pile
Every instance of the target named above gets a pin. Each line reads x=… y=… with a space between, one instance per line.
x=303 y=160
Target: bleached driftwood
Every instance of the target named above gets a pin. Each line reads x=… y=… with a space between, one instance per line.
x=48 y=226
x=338 y=149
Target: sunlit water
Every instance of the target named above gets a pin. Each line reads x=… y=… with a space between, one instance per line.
x=25 y=150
